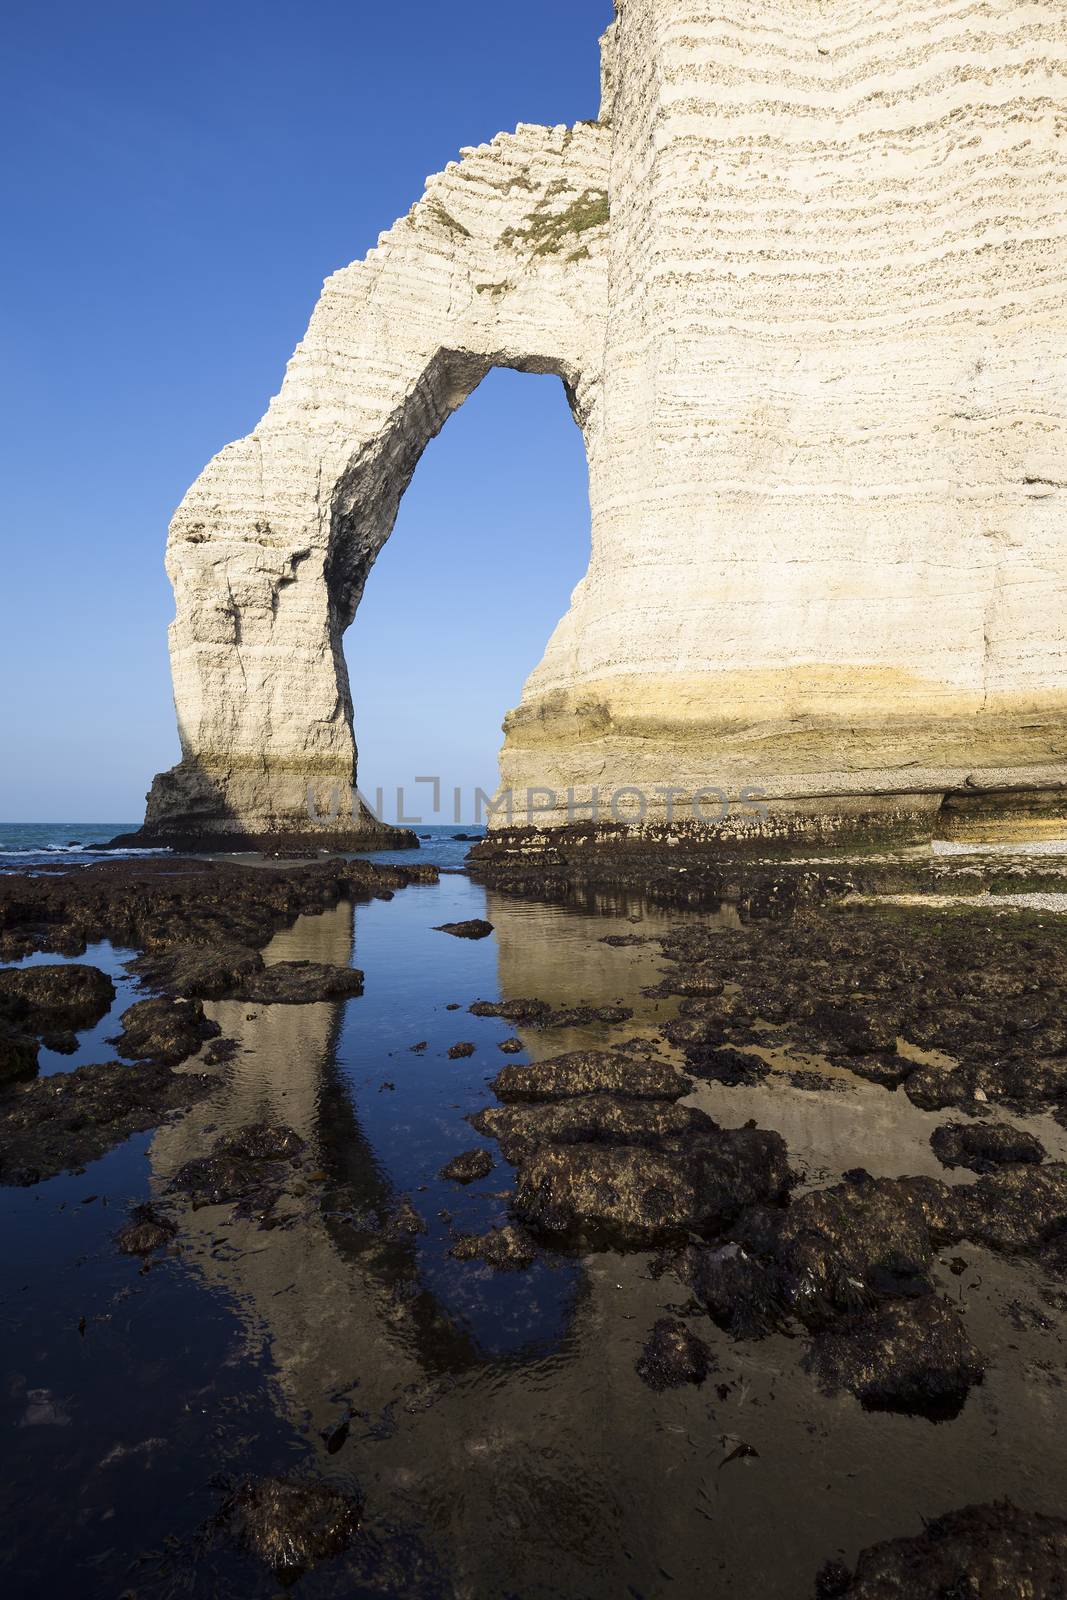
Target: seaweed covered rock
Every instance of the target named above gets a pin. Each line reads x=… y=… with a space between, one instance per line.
x=508 y=1249
x=988 y=1552
x=741 y=1294
x=54 y=995
x=633 y=1196
x=539 y=1014
x=294 y=983
x=985 y=992
x=291 y=1523
x=147 y=1230
x=166 y=1030
x=985 y=1146
x=673 y=1356
x=468 y=1167
x=1017 y=1210
x=206 y=972
x=18 y=1055
x=912 y=1356
x=252 y=1164
x=71 y=1118
x=588 y=1119
x=586 y=1072
x=473 y=928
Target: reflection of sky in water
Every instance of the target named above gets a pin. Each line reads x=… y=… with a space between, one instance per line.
x=92 y=1042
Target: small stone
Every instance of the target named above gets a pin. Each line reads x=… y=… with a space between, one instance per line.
x=468 y=1167
x=673 y=1356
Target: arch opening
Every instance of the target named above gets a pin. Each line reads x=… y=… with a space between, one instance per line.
x=482 y=551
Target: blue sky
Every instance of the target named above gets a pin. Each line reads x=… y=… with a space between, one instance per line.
x=178 y=180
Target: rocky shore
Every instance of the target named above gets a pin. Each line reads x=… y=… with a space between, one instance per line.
x=604 y=1150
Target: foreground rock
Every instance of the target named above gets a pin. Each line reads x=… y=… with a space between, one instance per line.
x=588 y=1119
x=252 y=1164
x=984 y=1146
x=211 y=972
x=298 y=982
x=468 y=1167
x=585 y=1072
x=148 y=1230
x=853 y=1265
x=908 y=1355
x=65 y=1121
x=18 y=1055
x=989 y=1552
x=166 y=1030
x=508 y=1249
x=632 y=1196
x=291 y=1523
x=54 y=995
x=673 y=1356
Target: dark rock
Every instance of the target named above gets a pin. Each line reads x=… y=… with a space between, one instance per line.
x=253 y=1164
x=261 y=1141
x=740 y=1294
x=63 y=1043
x=166 y=1030
x=588 y=1119
x=159 y=905
x=673 y=1356
x=514 y=1010
x=988 y=1552
x=839 y=1249
x=473 y=928
x=727 y=1066
x=468 y=1167
x=221 y=1051
x=18 y=1055
x=290 y=1523
x=511 y=1047
x=985 y=1146
x=636 y=1196
x=199 y=971
x=403 y=1220
x=59 y=995
x=912 y=1356
x=620 y=941
x=1017 y=1210
x=539 y=1014
x=585 y=1072
x=295 y=983
x=939 y=1088
x=460 y=1051
x=508 y=1249
x=148 y=1230
x=71 y=1118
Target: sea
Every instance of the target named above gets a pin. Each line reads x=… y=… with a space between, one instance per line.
x=32 y=846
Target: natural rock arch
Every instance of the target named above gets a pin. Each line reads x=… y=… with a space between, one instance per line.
x=805 y=282
x=500 y=264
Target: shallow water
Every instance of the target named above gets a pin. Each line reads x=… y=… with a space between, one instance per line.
x=499 y=1432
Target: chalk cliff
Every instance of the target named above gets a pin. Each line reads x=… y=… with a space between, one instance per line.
x=804 y=283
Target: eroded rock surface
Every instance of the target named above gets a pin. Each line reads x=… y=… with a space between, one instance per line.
x=587 y=1072
x=65 y=1121
x=995 y=1551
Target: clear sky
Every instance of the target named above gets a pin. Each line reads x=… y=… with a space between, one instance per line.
x=179 y=177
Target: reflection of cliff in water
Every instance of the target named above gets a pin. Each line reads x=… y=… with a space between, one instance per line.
x=334 y=1299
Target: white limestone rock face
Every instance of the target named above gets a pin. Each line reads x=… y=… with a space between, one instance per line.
x=804 y=282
